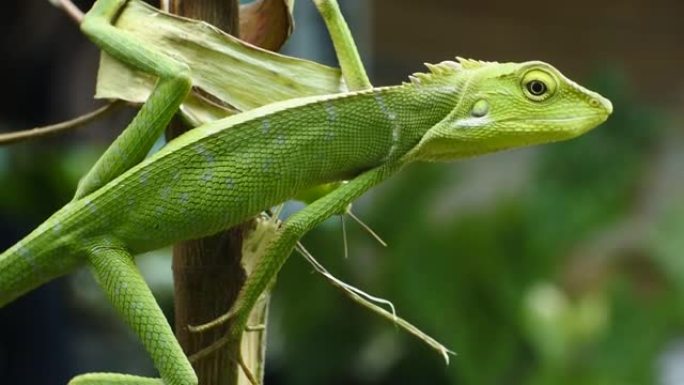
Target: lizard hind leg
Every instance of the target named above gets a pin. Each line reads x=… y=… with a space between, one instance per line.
x=116 y=272
x=113 y=379
x=280 y=248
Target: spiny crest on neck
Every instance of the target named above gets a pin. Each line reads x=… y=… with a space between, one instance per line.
x=439 y=71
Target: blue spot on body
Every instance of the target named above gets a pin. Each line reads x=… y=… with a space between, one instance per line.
x=28 y=257
x=57 y=228
x=330 y=111
x=118 y=152
x=184 y=198
x=265 y=126
x=206 y=154
x=165 y=192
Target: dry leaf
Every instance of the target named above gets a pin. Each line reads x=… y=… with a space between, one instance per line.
x=228 y=74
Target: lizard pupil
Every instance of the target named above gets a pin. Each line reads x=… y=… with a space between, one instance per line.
x=536 y=87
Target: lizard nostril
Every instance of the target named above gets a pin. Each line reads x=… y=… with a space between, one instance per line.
x=601 y=102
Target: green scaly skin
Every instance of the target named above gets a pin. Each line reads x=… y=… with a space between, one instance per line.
x=222 y=173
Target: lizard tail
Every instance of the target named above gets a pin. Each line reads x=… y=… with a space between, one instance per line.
x=31 y=262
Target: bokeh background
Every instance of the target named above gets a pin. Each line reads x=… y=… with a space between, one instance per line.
x=560 y=264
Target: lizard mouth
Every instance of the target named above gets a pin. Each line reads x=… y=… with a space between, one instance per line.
x=595 y=118
x=574 y=125
x=565 y=126
x=599 y=118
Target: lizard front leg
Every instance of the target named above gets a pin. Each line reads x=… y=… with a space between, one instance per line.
x=347 y=55
x=173 y=85
x=281 y=247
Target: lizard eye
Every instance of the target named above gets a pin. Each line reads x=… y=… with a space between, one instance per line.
x=538 y=85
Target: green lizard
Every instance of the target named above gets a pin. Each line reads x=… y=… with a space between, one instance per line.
x=223 y=172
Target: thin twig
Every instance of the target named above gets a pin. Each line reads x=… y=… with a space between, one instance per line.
x=71 y=10
x=366 y=227
x=344 y=237
x=39 y=132
x=341 y=284
x=368 y=301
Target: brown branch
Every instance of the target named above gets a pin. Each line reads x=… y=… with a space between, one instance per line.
x=208 y=272
x=53 y=129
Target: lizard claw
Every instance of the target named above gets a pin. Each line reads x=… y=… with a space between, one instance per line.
x=212 y=324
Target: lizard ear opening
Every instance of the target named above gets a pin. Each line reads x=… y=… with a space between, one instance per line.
x=480 y=108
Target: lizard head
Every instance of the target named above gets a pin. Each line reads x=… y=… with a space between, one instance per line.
x=508 y=105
